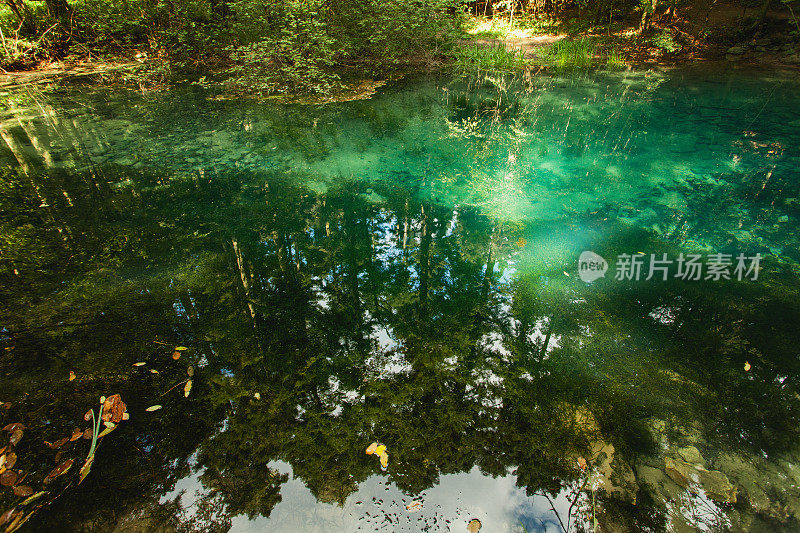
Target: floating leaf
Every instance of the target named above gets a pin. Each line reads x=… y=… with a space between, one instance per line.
x=153 y=408
x=5 y=517
x=86 y=468
x=113 y=409
x=88 y=433
x=11 y=428
x=88 y=415
x=107 y=430
x=187 y=389
x=747 y=366
x=59 y=443
x=59 y=470
x=414 y=506
x=23 y=491
x=384 y=460
x=582 y=463
x=126 y=416
x=474 y=525
x=8 y=478
x=257 y=396
x=34 y=497
x=102 y=400
x=371 y=448
x=139 y=364
x=15 y=437
x=181 y=348
x=380 y=450
x=9 y=461
x=18 y=521
x=176 y=355
x=190 y=371
x=153 y=371
x=76 y=434
x=71 y=375
x=58 y=456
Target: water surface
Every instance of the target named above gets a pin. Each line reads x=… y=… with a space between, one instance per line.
x=404 y=270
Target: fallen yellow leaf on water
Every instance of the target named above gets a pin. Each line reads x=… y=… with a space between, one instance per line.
x=582 y=463
x=747 y=366
x=153 y=371
x=474 y=525
x=384 y=460
x=371 y=448
x=181 y=348
x=414 y=506
x=153 y=408
x=188 y=388
x=139 y=364
x=257 y=396
x=71 y=375
x=380 y=450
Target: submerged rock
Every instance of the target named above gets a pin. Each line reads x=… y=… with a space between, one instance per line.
x=713 y=482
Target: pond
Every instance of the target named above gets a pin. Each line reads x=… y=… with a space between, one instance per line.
x=544 y=302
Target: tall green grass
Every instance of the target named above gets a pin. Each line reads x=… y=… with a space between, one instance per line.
x=493 y=57
x=571 y=54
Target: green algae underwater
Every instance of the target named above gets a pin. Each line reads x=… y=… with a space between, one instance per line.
x=270 y=288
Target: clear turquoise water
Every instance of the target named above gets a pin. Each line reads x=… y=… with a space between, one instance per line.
x=404 y=269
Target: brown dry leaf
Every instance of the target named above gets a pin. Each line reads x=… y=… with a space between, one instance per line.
x=113 y=409
x=60 y=442
x=15 y=437
x=71 y=375
x=153 y=408
x=474 y=525
x=23 y=491
x=11 y=428
x=176 y=355
x=76 y=434
x=187 y=389
x=8 y=478
x=87 y=433
x=88 y=415
x=5 y=517
x=190 y=371
x=33 y=498
x=57 y=471
x=11 y=460
x=58 y=456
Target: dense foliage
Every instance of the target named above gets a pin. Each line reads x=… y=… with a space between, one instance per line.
x=270 y=46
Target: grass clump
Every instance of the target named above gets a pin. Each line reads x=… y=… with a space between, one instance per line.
x=614 y=59
x=572 y=53
x=491 y=57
